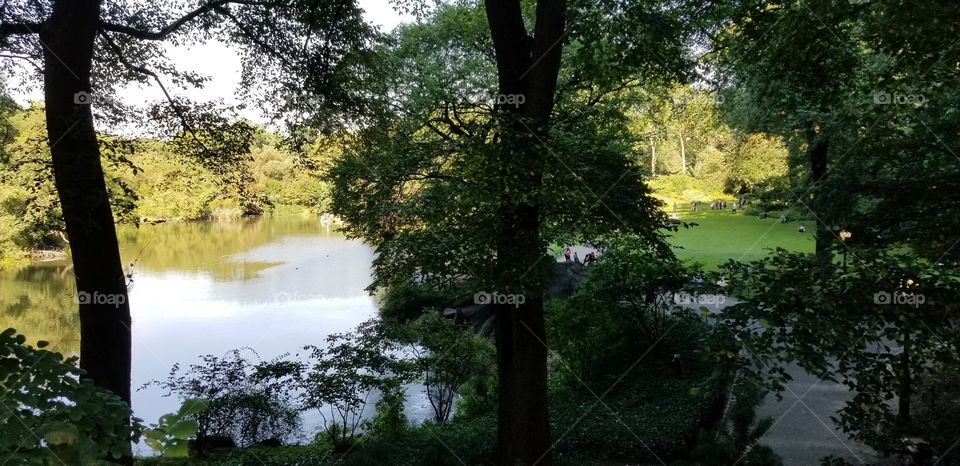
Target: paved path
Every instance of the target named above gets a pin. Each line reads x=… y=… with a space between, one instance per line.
x=803 y=432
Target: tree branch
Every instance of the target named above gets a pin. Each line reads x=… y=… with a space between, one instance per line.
x=9 y=29
x=176 y=25
x=173 y=105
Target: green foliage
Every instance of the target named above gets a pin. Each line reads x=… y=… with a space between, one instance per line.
x=292 y=455
x=627 y=301
x=478 y=398
x=389 y=420
x=865 y=79
x=30 y=216
x=338 y=379
x=51 y=416
x=424 y=183
x=759 y=160
x=405 y=301
x=151 y=179
x=446 y=356
x=169 y=436
x=454 y=443
x=880 y=325
x=247 y=402
x=735 y=441
x=937 y=399
x=684 y=189
x=645 y=415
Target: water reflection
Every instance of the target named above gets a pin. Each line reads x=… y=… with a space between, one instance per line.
x=272 y=284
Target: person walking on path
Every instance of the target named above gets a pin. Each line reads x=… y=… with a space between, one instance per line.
x=566 y=254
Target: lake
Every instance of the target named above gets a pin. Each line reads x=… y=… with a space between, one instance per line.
x=273 y=284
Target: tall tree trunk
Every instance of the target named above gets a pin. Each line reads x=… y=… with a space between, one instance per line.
x=653 y=158
x=529 y=67
x=68 y=40
x=817 y=149
x=683 y=154
x=905 y=390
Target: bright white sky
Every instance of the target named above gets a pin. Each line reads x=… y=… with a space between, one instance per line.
x=221 y=64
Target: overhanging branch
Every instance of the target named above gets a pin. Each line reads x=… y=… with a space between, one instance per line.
x=176 y=25
x=173 y=104
x=9 y=29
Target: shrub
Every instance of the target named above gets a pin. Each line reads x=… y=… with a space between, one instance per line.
x=247 y=402
x=624 y=306
x=735 y=440
x=340 y=377
x=50 y=416
x=645 y=419
x=406 y=301
x=445 y=356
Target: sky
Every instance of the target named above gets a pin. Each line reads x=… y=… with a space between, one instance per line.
x=221 y=64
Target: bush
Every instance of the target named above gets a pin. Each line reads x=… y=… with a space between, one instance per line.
x=405 y=301
x=445 y=356
x=624 y=306
x=938 y=406
x=246 y=402
x=685 y=189
x=53 y=417
x=455 y=443
x=643 y=419
x=735 y=440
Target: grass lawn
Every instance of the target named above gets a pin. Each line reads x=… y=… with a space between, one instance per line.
x=722 y=235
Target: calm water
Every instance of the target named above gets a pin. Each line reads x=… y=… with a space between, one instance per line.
x=271 y=284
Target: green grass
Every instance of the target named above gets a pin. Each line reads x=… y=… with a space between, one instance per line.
x=722 y=235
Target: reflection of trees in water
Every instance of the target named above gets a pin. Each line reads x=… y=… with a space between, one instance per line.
x=202 y=246
x=38 y=301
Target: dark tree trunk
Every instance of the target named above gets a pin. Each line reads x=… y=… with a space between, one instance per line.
x=68 y=39
x=905 y=390
x=526 y=67
x=818 y=149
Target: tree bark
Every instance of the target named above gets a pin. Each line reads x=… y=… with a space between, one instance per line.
x=683 y=154
x=653 y=158
x=905 y=390
x=529 y=67
x=817 y=149
x=68 y=39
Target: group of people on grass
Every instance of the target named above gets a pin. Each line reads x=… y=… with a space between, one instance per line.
x=588 y=259
x=718 y=204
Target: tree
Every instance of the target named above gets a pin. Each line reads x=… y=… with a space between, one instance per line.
x=86 y=48
x=871 y=87
x=627 y=303
x=787 y=69
x=447 y=356
x=340 y=378
x=454 y=188
x=876 y=327
x=759 y=159
x=246 y=401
